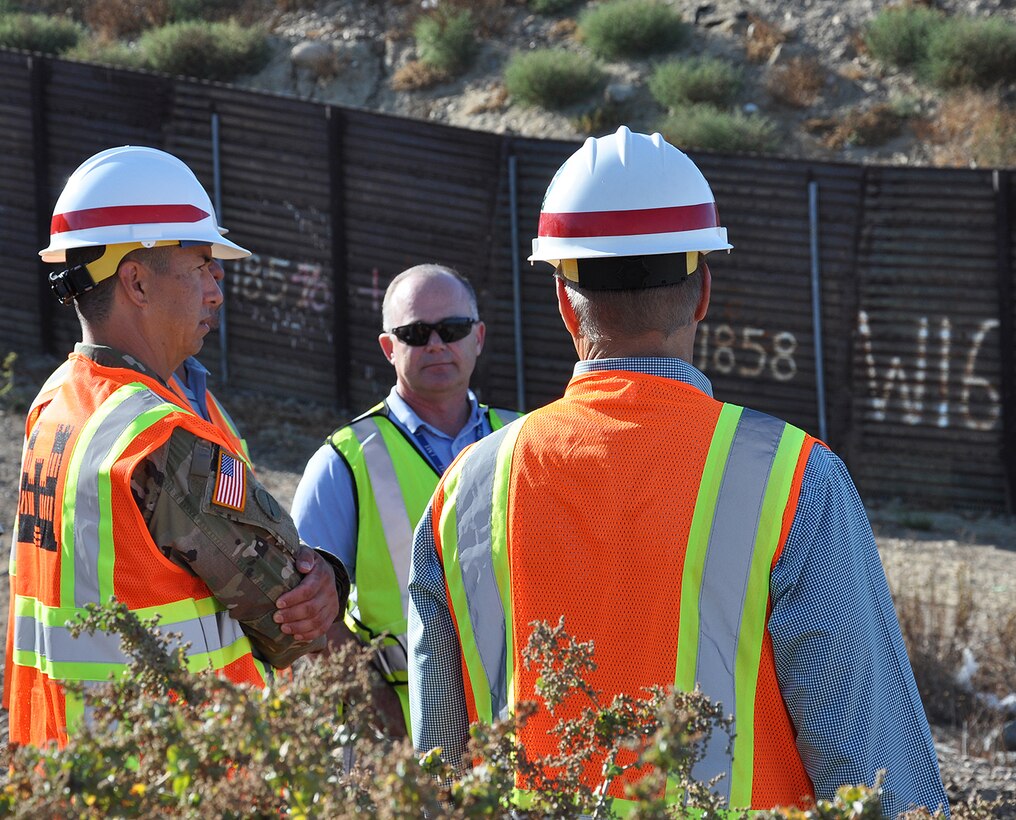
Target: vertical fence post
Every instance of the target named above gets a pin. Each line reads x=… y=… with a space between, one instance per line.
x=520 y=381
x=340 y=291
x=1001 y=182
x=816 y=309
x=38 y=77
x=217 y=204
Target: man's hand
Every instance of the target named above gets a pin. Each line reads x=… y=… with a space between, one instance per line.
x=307 y=611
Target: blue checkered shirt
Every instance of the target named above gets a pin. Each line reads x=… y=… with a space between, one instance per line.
x=840 y=659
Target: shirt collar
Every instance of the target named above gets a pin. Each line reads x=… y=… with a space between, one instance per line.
x=407 y=417
x=677 y=369
x=111 y=357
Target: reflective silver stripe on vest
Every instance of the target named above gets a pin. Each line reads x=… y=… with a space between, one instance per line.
x=87 y=546
x=395 y=521
x=55 y=644
x=725 y=575
x=473 y=503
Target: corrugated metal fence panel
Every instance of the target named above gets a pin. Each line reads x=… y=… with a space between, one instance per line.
x=547 y=352
x=20 y=273
x=274 y=159
x=757 y=344
x=926 y=359
x=909 y=262
x=413 y=193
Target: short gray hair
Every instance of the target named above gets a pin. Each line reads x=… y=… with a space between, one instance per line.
x=429 y=269
x=604 y=315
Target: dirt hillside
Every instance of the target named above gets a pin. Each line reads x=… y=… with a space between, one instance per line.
x=805 y=66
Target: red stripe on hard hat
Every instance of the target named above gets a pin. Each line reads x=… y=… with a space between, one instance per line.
x=124 y=215
x=630 y=223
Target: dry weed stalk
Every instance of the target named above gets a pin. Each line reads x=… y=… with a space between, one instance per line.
x=761 y=39
x=974 y=128
x=797 y=82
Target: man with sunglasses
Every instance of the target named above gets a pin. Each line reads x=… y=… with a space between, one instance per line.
x=364 y=490
x=693 y=542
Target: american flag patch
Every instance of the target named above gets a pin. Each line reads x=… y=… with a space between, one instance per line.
x=230 y=483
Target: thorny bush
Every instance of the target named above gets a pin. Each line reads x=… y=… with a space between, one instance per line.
x=163 y=742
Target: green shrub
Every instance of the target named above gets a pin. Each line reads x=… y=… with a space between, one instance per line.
x=446 y=40
x=706 y=127
x=631 y=28
x=549 y=6
x=38 y=32
x=208 y=51
x=702 y=79
x=115 y=53
x=899 y=35
x=163 y=742
x=977 y=52
x=181 y=10
x=552 y=78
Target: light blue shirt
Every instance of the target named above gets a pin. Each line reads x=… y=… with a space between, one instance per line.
x=324 y=506
x=841 y=662
x=194 y=385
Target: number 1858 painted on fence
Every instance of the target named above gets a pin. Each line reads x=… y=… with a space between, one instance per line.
x=749 y=352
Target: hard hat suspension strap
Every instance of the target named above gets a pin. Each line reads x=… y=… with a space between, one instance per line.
x=71 y=283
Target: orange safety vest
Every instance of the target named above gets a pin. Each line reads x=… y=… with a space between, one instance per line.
x=80 y=538
x=649 y=515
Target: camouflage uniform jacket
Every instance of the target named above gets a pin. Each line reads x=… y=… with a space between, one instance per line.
x=246 y=558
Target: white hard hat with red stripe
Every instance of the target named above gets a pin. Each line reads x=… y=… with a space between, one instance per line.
x=137 y=196
x=628 y=195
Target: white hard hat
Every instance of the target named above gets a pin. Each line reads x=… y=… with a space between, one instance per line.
x=138 y=197
x=627 y=195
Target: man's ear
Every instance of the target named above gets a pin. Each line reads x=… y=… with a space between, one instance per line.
x=481 y=334
x=387 y=345
x=133 y=279
x=707 y=286
x=564 y=307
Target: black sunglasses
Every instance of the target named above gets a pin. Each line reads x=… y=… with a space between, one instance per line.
x=449 y=330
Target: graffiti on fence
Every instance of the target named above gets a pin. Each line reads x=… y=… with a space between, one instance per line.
x=751 y=352
x=284 y=297
x=934 y=391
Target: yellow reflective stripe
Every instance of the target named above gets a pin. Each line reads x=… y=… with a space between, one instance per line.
x=218 y=658
x=70 y=670
x=459 y=604
x=75 y=557
x=67 y=540
x=753 y=618
x=74 y=711
x=184 y=610
x=107 y=554
x=698 y=541
x=499 y=551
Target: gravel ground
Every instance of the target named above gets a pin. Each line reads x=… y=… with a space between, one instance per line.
x=920 y=548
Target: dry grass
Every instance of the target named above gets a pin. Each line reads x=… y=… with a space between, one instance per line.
x=874 y=125
x=416 y=75
x=563 y=29
x=496 y=100
x=946 y=631
x=761 y=39
x=974 y=128
x=115 y=19
x=797 y=82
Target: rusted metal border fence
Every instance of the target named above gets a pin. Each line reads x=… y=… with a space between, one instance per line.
x=915 y=266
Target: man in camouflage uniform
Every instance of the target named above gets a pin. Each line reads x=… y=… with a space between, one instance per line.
x=125 y=492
